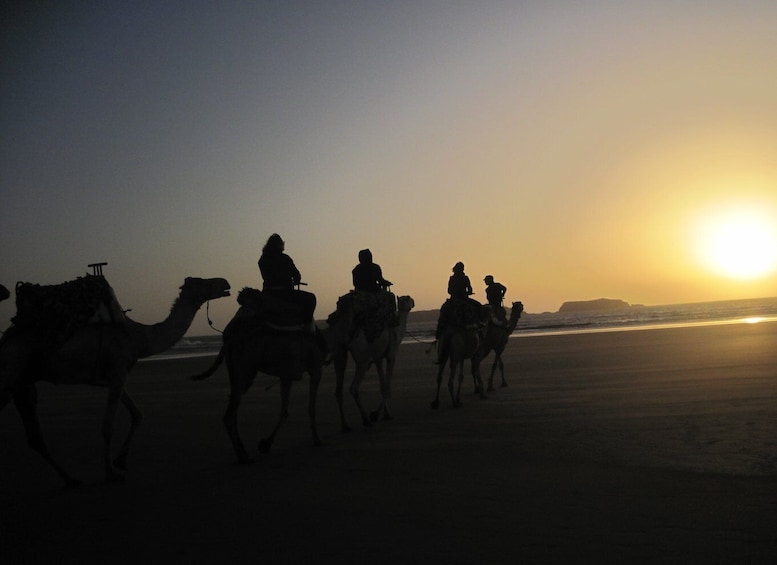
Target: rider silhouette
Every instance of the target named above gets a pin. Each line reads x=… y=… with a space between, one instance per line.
x=280 y=276
x=367 y=275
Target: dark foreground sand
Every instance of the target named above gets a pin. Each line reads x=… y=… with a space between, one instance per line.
x=640 y=446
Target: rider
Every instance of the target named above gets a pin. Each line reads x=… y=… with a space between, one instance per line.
x=368 y=278
x=367 y=275
x=280 y=276
x=495 y=293
x=460 y=308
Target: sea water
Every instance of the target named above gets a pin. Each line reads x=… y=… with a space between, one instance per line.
x=555 y=323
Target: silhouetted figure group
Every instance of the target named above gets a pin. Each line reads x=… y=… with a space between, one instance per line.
x=462 y=311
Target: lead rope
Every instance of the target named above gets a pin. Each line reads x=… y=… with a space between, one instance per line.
x=207 y=315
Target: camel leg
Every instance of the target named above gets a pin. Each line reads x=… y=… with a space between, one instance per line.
x=315 y=380
x=457 y=367
x=436 y=402
x=340 y=363
x=266 y=443
x=136 y=417
x=230 y=423
x=479 y=389
x=354 y=390
x=502 y=371
x=385 y=392
x=26 y=400
x=115 y=393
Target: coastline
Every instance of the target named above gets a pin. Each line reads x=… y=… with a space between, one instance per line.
x=647 y=446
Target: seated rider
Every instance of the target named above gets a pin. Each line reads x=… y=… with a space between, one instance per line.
x=280 y=276
x=367 y=275
x=460 y=308
x=368 y=278
x=495 y=293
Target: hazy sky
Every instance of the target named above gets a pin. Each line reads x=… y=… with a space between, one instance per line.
x=574 y=150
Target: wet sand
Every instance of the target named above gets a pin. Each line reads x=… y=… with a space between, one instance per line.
x=635 y=446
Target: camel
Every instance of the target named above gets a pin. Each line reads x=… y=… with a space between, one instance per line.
x=252 y=346
x=457 y=345
x=344 y=339
x=100 y=354
x=4 y=294
x=495 y=339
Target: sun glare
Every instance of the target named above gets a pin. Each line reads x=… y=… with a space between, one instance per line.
x=739 y=243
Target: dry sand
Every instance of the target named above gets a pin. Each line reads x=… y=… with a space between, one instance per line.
x=636 y=446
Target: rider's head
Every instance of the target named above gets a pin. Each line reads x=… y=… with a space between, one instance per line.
x=458 y=267
x=274 y=244
x=365 y=256
x=489 y=279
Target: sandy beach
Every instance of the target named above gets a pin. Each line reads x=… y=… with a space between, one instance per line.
x=625 y=447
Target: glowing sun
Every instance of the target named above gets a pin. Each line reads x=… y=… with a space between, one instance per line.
x=739 y=243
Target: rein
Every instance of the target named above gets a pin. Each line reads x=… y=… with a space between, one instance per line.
x=210 y=322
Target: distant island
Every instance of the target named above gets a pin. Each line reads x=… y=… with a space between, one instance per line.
x=594 y=305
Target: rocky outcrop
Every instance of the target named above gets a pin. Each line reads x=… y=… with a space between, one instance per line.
x=593 y=305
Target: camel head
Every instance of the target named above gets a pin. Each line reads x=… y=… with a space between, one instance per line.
x=517 y=308
x=405 y=303
x=198 y=291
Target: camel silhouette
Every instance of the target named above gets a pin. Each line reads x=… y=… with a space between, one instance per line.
x=100 y=354
x=252 y=345
x=456 y=345
x=495 y=339
x=344 y=337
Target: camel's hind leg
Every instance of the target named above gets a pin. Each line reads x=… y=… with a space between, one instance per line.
x=26 y=399
x=266 y=443
x=230 y=423
x=136 y=417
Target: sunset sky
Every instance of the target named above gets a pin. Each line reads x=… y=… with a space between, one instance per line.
x=574 y=150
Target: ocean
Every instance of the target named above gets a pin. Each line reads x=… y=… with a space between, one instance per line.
x=555 y=323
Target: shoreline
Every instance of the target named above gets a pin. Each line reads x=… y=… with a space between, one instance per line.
x=650 y=446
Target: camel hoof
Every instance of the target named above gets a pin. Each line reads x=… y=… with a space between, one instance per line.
x=120 y=463
x=435 y=404
x=490 y=388
x=245 y=460
x=504 y=385
x=374 y=416
x=72 y=483
x=387 y=417
x=115 y=478
x=345 y=428
x=264 y=446
x=366 y=423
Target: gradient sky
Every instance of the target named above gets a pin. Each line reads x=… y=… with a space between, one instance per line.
x=574 y=150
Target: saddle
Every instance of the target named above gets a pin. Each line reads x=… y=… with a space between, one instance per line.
x=373 y=312
x=272 y=311
x=57 y=311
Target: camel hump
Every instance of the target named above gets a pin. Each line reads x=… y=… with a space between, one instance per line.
x=59 y=310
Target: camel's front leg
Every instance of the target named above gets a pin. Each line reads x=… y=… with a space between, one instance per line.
x=475 y=367
x=26 y=399
x=115 y=393
x=315 y=380
x=354 y=390
x=340 y=364
x=440 y=370
x=266 y=443
x=456 y=367
x=384 y=378
x=136 y=417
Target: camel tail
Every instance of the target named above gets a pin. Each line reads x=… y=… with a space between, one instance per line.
x=211 y=369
